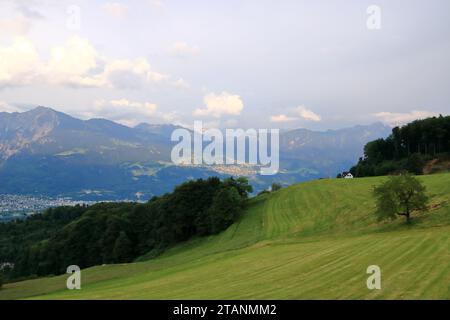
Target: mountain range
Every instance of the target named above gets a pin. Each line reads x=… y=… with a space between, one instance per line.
x=46 y=152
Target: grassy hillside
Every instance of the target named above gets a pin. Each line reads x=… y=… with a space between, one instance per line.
x=309 y=241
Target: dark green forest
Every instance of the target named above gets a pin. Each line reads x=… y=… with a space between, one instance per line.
x=408 y=148
x=104 y=233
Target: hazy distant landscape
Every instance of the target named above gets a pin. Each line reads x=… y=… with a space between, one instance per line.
x=48 y=153
x=13 y=206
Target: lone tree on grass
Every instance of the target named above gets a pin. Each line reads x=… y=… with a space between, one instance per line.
x=400 y=196
x=276 y=186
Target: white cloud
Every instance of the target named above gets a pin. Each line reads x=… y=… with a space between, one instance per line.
x=116 y=10
x=282 y=118
x=397 y=118
x=72 y=63
x=149 y=107
x=181 y=83
x=129 y=113
x=75 y=63
x=182 y=49
x=19 y=63
x=307 y=114
x=123 y=111
x=218 y=105
x=171 y=117
x=17 y=26
x=5 y=107
x=131 y=74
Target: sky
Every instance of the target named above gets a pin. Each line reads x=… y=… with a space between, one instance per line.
x=247 y=64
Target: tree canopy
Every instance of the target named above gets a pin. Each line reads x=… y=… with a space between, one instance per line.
x=120 y=232
x=276 y=186
x=400 y=196
x=407 y=148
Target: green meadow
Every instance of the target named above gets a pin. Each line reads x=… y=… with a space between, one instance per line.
x=312 y=240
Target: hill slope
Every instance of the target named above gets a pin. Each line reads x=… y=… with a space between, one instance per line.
x=309 y=241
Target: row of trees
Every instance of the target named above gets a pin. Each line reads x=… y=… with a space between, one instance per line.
x=407 y=148
x=120 y=232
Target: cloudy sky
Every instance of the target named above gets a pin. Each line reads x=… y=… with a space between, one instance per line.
x=247 y=63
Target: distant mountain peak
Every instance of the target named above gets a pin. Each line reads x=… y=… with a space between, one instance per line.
x=46 y=114
x=41 y=110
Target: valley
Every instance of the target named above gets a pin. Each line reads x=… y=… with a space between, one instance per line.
x=47 y=153
x=312 y=240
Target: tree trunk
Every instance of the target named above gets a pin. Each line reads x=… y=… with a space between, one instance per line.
x=408 y=216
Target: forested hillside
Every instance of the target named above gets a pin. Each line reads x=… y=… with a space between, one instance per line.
x=119 y=232
x=408 y=148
